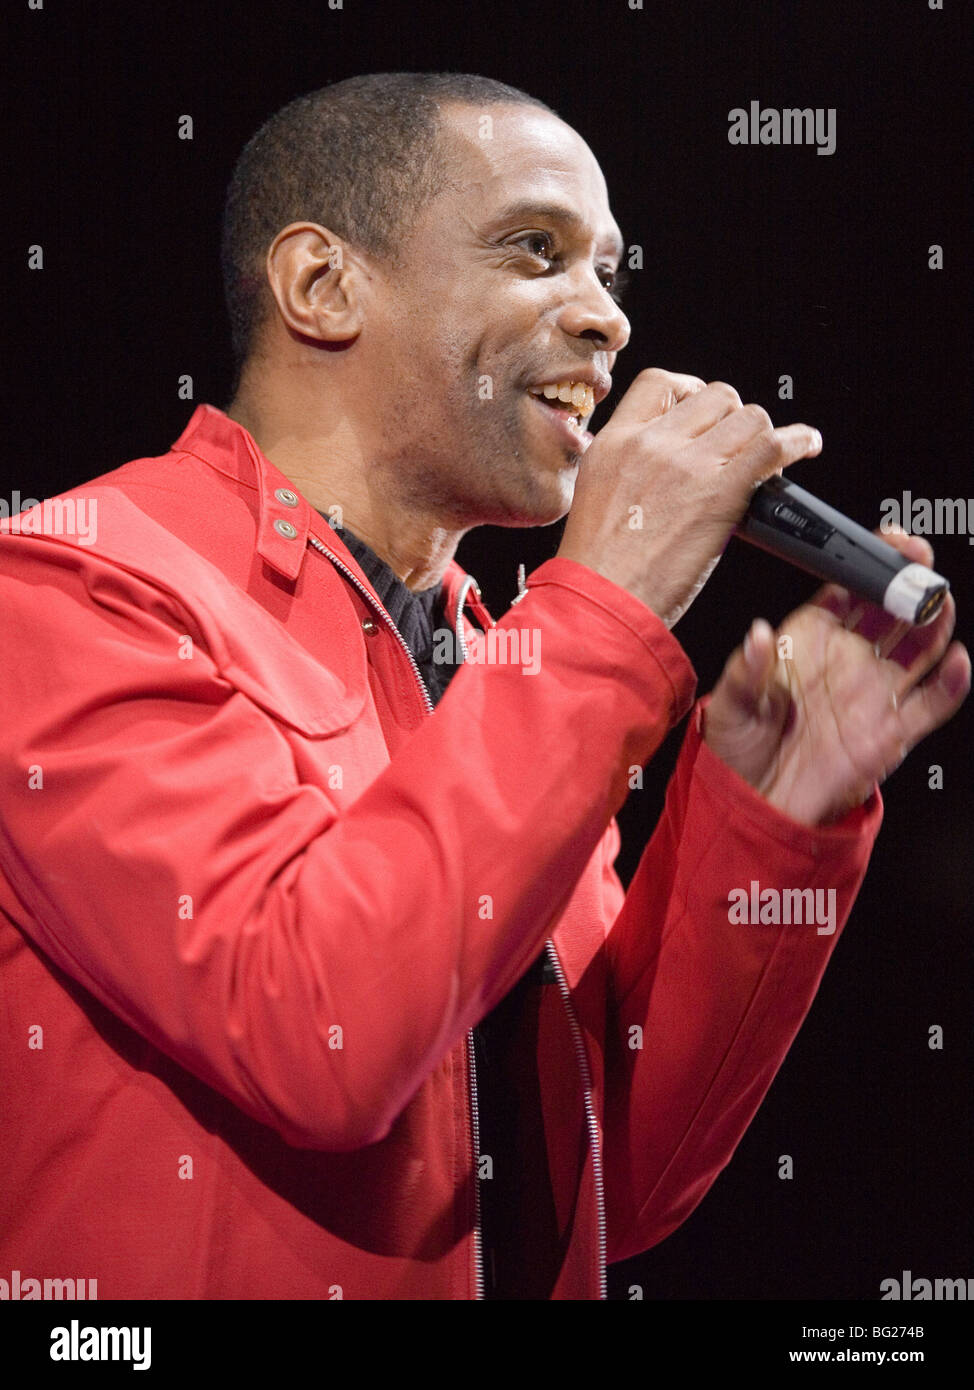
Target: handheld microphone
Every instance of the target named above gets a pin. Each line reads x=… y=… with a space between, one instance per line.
x=789 y=522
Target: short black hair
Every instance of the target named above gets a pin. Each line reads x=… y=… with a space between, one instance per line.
x=360 y=157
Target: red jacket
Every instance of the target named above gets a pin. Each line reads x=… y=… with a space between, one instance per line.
x=254 y=896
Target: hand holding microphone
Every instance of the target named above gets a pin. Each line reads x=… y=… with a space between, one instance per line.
x=676 y=471
x=667 y=479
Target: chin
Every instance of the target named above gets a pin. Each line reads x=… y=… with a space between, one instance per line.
x=547 y=501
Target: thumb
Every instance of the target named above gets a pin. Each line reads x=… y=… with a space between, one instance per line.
x=749 y=669
x=747 y=711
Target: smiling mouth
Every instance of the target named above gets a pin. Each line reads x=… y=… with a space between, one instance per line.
x=573 y=400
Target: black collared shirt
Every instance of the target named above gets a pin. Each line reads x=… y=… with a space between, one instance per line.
x=417 y=615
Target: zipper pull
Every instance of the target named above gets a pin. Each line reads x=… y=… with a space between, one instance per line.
x=522 y=587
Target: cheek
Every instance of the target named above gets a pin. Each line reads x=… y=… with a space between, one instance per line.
x=444 y=368
x=458 y=372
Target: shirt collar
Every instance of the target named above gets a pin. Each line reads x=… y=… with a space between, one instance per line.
x=413 y=612
x=285 y=518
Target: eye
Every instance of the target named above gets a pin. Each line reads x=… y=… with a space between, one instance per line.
x=539 y=244
x=614 y=281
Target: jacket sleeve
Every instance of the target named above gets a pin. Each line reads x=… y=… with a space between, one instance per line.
x=160 y=846
x=703 y=1006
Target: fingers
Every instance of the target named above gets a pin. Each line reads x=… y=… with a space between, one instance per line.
x=920 y=650
x=912 y=652
x=849 y=608
x=724 y=429
x=937 y=698
x=747 y=438
x=913 y=547
x=915 y=649
x=652 y=394
x=885 y=643
x=916 y=656
x=700 y=410
x=749 y=668
x=749 y=675
x=685 y=408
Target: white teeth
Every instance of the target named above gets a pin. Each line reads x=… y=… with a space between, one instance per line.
x=579 y=395
x=550 y=392
x=565 y=392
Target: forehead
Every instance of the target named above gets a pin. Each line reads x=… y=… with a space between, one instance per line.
x=514 y=156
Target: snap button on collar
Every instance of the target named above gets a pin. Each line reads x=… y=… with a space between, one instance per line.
x=284 y=528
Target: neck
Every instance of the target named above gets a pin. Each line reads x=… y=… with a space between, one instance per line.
x=318 y=448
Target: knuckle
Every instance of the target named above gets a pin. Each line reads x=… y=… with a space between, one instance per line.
x=758 y=415
x=658 y=376
x=724 y=391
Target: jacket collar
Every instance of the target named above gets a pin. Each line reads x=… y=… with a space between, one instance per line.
x=285 y=518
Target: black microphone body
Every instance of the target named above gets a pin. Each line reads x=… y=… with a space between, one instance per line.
x=789 y=522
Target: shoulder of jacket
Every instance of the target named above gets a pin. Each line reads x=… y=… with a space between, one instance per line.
x=102 y=530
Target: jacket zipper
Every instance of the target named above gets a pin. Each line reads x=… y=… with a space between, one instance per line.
x=591 y=1120
x=314 y=541
x=471 y=1059
x=581 y=1056
x=465 y=588
x=590 y=1116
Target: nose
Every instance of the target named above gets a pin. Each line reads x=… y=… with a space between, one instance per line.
x=589 y=311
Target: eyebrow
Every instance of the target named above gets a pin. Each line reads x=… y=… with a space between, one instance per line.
x=560 y=213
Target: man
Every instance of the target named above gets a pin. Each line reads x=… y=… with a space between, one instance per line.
x=337 y=991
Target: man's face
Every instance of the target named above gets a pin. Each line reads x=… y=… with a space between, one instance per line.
x=503 y=287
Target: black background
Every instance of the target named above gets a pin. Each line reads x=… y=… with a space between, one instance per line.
x=758 y=261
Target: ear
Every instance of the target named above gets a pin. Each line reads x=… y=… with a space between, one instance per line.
x=316 y=282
